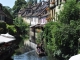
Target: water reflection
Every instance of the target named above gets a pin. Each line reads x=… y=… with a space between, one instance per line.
x=29 y=56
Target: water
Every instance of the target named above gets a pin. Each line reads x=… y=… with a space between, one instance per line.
x=29 y=56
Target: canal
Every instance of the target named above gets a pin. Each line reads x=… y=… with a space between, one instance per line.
x=31 y=55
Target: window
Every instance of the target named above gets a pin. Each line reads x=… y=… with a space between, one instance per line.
x=39 y=21
x=52 y=13
x=0 y=7
x=60 y=2
x=45 y=12
x=29 y=11
x=57 y=2
x=2 y=17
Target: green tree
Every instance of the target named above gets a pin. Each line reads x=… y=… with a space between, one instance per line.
x=30 y=2
x=62 y=36
x=70 y=12
x=49 y=43
x=21 y=26
x=11 y=29
x=3 y=27
x=66 y=40
x=18 y=5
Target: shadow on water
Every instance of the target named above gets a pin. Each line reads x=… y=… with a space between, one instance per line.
x=31 y=55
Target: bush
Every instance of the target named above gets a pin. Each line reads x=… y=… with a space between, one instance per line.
x=2 y=27
x=22 y=27
x=11 y=29
x=62 y=36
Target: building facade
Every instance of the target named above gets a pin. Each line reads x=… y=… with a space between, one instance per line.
x=55 y=7
x=35 y=16
x=4 y=17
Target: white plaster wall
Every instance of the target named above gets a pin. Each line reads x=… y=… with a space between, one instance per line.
x=43 y=21
x=57 y=10
x=34 y=21
x=30 y=44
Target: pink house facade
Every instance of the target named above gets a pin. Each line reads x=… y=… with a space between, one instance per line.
x=43 y=20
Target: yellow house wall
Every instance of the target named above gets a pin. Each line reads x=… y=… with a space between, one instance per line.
x=27 y=20
x=56 y=10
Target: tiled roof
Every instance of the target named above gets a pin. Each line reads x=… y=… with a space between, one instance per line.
x=40 y=10
x=36 y=10
x=21 y=11
x=45 y=15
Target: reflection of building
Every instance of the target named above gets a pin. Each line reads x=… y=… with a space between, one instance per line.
x=4 y=17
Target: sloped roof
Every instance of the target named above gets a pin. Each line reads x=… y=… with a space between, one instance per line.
x=1 y=12
x=33 y=8
x=21 y=11
x=45 y=15
x=36 y=6
x=40 y=9
x=36 y=10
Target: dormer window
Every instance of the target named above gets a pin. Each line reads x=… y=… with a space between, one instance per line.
x=29 y=11
x=45 y=12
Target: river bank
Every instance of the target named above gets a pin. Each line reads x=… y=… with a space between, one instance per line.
x=27 y=46
x=30 y=44
x=23 y=49
x=27 y=52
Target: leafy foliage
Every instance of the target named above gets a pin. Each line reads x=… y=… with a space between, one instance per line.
x=66 y=40
x=31 y=2
x=62 y=36
x=39 y=36
x=49 y=32
x=2 y=27
x=18 y=5
x=11 y=29
x=70 y=12
x=21 y=26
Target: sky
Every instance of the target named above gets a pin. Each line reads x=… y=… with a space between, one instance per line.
x=9 y=3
